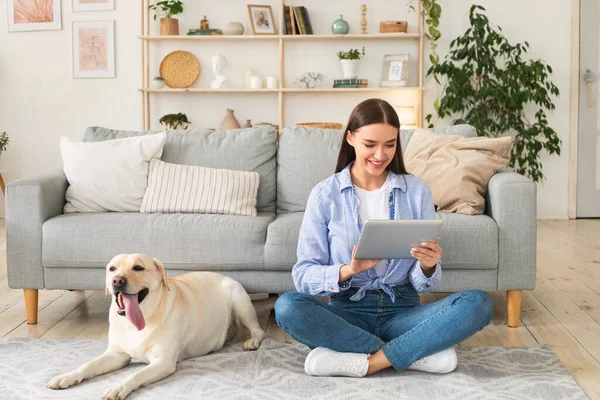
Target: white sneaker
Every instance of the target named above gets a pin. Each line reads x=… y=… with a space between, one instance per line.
x=439 y=363
x=324 y=362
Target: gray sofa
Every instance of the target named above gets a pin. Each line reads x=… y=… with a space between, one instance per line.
x=47 y=249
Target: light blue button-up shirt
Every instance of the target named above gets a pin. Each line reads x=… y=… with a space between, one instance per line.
x=331 y=227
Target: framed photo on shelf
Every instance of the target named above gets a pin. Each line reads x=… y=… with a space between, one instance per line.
x=93 y=5
x=30 y=15
x=93 y=49
x=395 y=70
x=261 y=19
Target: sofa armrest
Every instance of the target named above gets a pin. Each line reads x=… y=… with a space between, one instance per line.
x=512 y=202
x=29 y=203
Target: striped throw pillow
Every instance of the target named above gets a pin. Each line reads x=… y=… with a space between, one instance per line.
x=174 y=188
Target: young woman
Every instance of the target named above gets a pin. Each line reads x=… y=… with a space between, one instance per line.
x=374 y=319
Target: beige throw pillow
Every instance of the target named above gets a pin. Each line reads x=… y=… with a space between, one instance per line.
x=456 y=168
x=174 y=188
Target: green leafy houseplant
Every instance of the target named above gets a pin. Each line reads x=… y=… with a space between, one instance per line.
x=352 y=54
x=174 y=121
x=432 y=12
x=3 y=141
x=167 y=8
x=490 y=85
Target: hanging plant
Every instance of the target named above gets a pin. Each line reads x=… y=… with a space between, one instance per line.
x=432 y=12
x=489 y=86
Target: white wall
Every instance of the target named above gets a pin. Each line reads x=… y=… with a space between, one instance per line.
x=40 y=101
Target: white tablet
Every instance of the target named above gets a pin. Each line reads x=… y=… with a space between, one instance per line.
x=381 y=238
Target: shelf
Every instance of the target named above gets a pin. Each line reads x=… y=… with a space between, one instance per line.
x=200 y=90
x=284 y=90
x=377 y=36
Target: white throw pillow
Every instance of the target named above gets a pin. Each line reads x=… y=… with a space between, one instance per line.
x=174 y=188
x=110 y=175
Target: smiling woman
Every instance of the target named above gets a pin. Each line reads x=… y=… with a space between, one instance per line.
x=372 y=302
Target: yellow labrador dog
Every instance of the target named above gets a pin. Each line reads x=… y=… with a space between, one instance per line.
x=160 y=320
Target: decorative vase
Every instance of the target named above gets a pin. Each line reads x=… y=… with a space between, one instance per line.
x=234 y=28
x=349 y=68
x=247 y=124
x=169 y=26
x=340 y=26
x=229 y=122
x=158 y=83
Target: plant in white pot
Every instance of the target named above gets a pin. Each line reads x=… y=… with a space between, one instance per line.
x=166 y=9
x=349 y=60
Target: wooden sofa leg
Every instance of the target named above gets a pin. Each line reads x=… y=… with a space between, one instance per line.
x=31 y=305
x=513 y=299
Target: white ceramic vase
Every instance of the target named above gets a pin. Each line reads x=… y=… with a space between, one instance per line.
x=234 y=28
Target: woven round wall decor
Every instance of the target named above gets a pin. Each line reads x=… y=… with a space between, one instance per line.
x=179 y=69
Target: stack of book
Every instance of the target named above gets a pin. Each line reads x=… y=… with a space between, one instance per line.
x=350 y=83
x=296 y=20
x=205 y=32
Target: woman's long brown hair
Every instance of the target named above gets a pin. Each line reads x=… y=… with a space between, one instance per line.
x=371 y=111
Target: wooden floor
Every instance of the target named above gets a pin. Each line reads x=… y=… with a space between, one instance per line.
x=563 y=311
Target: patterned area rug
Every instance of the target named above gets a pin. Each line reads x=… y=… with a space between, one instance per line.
x=276 y=371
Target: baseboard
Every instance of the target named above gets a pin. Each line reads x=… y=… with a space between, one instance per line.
x=553 y=218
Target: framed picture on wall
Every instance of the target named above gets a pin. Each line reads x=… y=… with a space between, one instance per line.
x=93 y=5
x=395 y=70
x=93 y=49
x=33 y=15
x=261 y=19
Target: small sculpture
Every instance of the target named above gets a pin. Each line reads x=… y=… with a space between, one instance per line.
x=219 y=63
x=363 y=20
x=309 y=80
x=204 y=23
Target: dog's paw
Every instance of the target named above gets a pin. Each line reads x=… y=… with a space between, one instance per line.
x=63 y=381
x=119 y=392
x=252 y=344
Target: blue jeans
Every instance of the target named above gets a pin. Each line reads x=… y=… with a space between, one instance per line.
x=410 y=331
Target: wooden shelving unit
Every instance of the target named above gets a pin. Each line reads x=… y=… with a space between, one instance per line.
x=146 y=39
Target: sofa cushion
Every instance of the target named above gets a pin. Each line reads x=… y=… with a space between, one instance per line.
x=181 y=241
x=307 y=156
x=108 y=176
x=252 y=149
x=176 y=188
x=457 y=169
x=282 y=241
x=469 y=242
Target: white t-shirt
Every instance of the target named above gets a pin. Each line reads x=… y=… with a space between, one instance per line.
x=374 y=204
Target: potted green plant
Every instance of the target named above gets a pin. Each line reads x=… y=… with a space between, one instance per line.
x=349 y=60
x=3 y=142
x=491 y=85
x=174 y=121
x=166 y=9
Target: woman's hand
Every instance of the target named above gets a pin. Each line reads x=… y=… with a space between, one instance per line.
x=428 y=254
x=347 y=271
x=358 y=266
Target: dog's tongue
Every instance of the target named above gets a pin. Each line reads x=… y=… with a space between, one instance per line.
x=133 y=311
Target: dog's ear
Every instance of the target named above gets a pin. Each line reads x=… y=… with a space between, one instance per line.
x=163 y=273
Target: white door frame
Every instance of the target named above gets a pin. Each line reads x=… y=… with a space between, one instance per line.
x=574 y=113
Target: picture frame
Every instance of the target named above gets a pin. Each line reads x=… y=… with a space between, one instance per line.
x=93 y=5
x=261 y=19
x=395 y=70
x=93 y=49
x=33 y=15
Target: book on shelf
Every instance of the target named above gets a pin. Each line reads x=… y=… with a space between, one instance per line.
x=354 y=81
x=205 y=32
x=297 y=21
x=349 y=86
